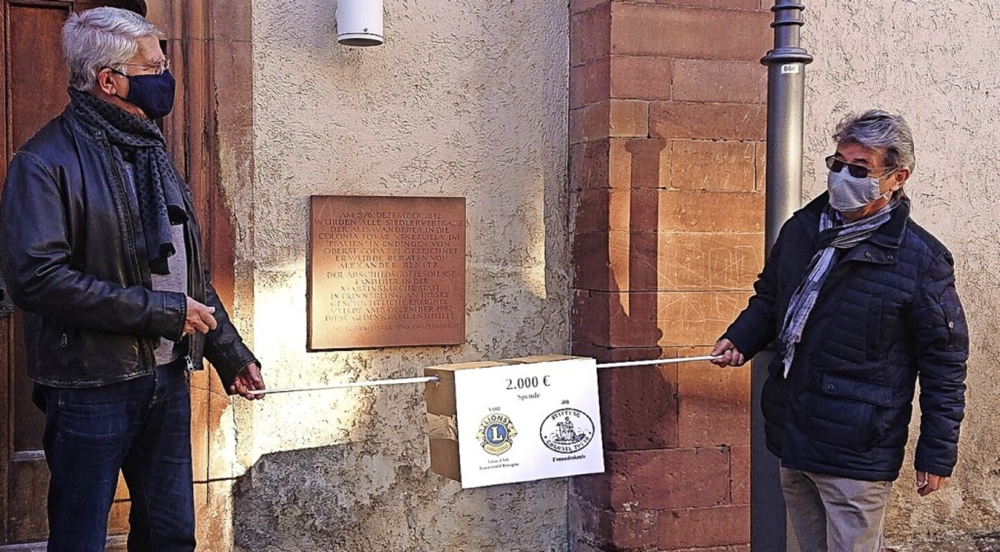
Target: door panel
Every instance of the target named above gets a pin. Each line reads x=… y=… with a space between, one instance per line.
x=35 y=79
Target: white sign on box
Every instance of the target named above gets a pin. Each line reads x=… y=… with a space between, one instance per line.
x=523 y=422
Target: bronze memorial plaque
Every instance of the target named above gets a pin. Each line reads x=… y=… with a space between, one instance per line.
x=386 y=271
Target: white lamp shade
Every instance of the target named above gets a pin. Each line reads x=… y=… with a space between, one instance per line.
x=359 y=22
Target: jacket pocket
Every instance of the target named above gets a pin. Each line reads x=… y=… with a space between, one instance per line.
x=846 y=412
x=873 y=329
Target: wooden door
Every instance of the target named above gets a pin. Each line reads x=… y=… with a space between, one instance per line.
x=35 y=79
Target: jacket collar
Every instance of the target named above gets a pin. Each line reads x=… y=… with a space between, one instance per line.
x=888 y=236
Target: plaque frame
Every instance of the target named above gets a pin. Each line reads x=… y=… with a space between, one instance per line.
x=385 y=272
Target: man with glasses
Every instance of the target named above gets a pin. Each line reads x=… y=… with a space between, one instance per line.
x=859 y=304
x=100 y=248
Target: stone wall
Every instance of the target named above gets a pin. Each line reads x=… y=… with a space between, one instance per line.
x=464 y=99
x=667 y=128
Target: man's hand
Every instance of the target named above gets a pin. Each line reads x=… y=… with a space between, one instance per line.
x=730 y=355
x=199 y=318
x=927 y=483
x=248 y=379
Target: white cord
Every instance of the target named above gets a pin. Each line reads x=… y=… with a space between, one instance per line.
x=657 y=361
x=426 y=379
x=346 y=385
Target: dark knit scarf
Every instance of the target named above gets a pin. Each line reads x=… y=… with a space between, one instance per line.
x=157 y=185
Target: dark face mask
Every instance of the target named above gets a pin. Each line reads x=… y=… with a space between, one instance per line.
x=153 y=94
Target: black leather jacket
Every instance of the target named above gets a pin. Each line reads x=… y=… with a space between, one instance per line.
x=74 y=260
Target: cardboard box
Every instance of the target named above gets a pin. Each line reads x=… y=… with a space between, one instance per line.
x=442 y=409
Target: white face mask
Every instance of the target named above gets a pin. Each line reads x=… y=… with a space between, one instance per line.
x=850 y=193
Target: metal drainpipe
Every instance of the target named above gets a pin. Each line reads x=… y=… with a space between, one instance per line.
x=785 y=96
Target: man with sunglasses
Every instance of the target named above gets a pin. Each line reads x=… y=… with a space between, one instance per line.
x=859 y=304
x=100 y=247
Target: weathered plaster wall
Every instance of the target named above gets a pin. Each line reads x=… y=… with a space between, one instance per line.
x=466 y=98
x=937 y=64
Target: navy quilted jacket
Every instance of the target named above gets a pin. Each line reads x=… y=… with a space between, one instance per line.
x=887 y=317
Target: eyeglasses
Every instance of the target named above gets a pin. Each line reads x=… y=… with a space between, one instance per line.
x=156 y=68
x=857 y=171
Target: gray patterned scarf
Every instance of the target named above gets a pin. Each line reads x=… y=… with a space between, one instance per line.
x=833 y=235
x=157 y=186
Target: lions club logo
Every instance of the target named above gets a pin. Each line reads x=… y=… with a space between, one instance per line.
x=567 y=430
x=495 y=433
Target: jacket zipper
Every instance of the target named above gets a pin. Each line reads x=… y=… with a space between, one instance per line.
x=147 y=349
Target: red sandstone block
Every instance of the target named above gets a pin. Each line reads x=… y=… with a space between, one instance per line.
x=591 y=318
x=707 y=121
x=639 y=268
x=629 y=163
x=577 y=6
x=641 y=78
x=620 y=162
x=714 y=405
x=591 y=262
x=714 y=4
x=650 y=319
x=598 y=210
x=593 y=489
x=719 y=166
x=739 y=474
x=616 y=262
x=760 y=166
x=644 y=214
x=590 y=34
x=667 y=479
x=589 y=123
x=704 y=527
x=634 y=320
x=621 y=354
x=668 y=31
x=700 y=80
x=588 y=162
x=705 y=261
x=638 y=407
x=614 y=210
x=600 y=120
x=697 y=261
x=628 y=118
x=615 y=319
x=647 y=160
x=612 y=530
x=696 y=318
x=716 y=212
x=590 y=82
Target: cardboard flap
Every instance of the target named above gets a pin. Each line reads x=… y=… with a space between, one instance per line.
x=442 y=427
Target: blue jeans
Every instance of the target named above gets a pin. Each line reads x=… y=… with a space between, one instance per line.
x=141 y=427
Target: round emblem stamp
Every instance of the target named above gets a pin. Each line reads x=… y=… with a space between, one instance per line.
x=495 y=433
x=567 y=430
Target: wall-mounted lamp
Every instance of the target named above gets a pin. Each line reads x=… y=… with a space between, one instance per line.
x=359 y=22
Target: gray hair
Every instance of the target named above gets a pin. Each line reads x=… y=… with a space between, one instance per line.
x=878 y=129
x=99 y=38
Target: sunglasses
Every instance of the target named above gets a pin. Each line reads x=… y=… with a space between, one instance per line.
x=857 y=171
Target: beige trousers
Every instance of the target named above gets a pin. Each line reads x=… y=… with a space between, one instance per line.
x=835 y=514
